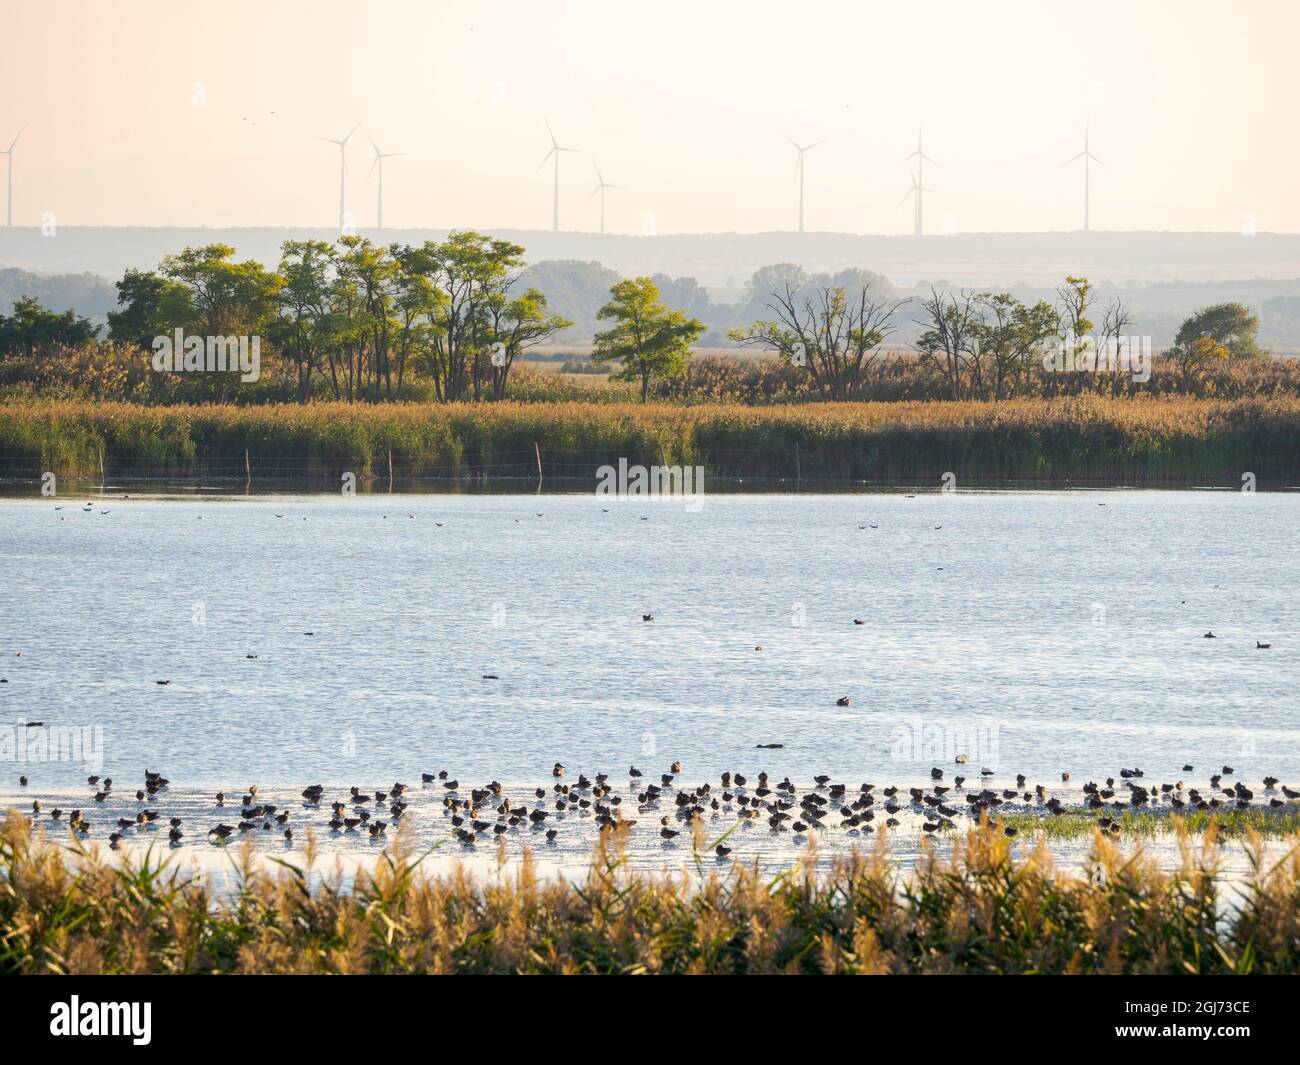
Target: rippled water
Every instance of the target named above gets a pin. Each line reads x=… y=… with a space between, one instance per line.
x=1034 y=632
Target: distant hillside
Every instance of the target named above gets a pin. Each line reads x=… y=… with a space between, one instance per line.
x=725 y=260
x=87 y=294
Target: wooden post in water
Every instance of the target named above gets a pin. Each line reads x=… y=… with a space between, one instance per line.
x=390 y=471
x=798 y=468
x=100 y=452
x=248 y=470
x=538 y=451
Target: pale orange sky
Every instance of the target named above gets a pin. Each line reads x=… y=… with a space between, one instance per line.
x=1192 y=108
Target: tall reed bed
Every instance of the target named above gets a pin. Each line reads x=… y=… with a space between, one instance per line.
x=979 y=909
x=1083 y=438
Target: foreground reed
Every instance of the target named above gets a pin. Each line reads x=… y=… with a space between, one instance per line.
x=979 y=909
x=1080 y=438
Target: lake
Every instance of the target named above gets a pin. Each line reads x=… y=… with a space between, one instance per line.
x=1032 y=632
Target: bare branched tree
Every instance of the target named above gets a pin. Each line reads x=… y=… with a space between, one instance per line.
x=1115 y=321
x=835 y=335
x=951 y=341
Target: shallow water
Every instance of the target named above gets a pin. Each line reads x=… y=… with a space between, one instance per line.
x=1032 y=632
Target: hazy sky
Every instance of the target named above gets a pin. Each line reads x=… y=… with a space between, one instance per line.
x=1192 y=108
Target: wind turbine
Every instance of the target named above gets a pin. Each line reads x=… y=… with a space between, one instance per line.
x=556 y=149
x=798 y=168
x=343 y=173
x=379 y=162
x=918 y=184
x=1088 y=158
x=916 y=190
x=9 y=181
x=601 y=186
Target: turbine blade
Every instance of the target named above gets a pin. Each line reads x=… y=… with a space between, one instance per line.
x=905 y=196
x=554 y=142
x=350 y=132
x=545 y=159
x=1097 y=161
x=1073 y=158
x=15 y=140
x=931 y=161
x=593 y=194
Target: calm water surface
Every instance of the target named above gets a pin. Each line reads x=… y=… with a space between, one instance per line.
x=1035 y=632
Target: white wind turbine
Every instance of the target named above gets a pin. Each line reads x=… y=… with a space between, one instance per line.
x=556 y=149
x=1088 y=159
x=916 y=190
x=601 y=186
x=798 y=168
x=343 y=173
x=9 y=181
x=918 y=184
x=379 y=162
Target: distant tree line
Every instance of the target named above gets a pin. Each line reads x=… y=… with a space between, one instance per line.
x=448 y=321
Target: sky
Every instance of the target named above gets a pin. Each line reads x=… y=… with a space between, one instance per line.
x=151 y=112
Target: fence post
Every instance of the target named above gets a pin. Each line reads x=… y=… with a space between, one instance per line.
x=390 y=469
x=248 y=469
x=538 y=451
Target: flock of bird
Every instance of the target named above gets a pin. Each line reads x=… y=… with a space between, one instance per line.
x=668 y=806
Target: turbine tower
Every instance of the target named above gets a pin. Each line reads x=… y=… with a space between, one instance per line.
x=601 y=186
x=9 y=180
x=918 y=185
x=798 y=168
x=916 y=190
x=379 y=162
x=556 y=149
x=343 y=173
x=1088 y=158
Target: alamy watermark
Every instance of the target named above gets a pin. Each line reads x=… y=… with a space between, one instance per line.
x=1115 y=354
x=35 y=742
x=113 y=1019
x=179 y=353
x=974 y=744
x=653 y=482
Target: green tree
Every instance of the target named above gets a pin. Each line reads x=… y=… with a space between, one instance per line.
x=517 y=324
x=1010 y=340
x=147 y=301
x=1074 y=300
x=227 y=298
x=648 y=338
x=34 y=330
x=1228 y=325
x=1194 y=357
x=302 y=328
x=473 y=273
